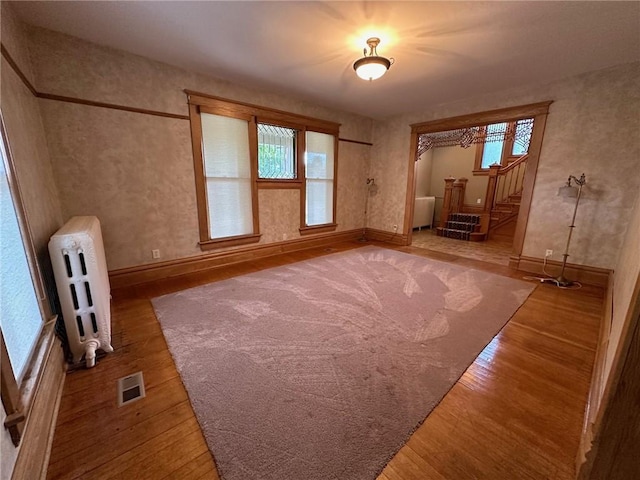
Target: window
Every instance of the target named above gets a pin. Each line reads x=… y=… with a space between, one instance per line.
x=239 y=148
x=21 y=319
x=23 y=335
x=227 y=169
x=492 y=151
x=505 y=143
x=319 y=172
x=524 y=128
x=276 y=152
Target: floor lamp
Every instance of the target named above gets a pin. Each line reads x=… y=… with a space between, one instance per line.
x=371 y=182
x=571 y=191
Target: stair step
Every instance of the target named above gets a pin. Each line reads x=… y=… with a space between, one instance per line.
x=464 y=217
x=463 y=226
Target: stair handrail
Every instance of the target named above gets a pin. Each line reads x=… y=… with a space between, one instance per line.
x=497 y=171
x=514 y=164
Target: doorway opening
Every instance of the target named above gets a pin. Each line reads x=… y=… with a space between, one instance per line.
x=471 y=182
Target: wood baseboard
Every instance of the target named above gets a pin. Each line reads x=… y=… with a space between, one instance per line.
x=597 y=377
x=388 y=237
x=579 y=273
x=126 y=277
x=35 y=446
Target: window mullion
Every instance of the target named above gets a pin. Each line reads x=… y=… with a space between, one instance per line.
x=253 y=155
x=302 y=171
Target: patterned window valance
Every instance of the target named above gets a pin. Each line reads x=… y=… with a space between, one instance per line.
x=519 y=132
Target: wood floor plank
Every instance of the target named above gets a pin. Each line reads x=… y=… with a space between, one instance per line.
x=199 y=467
x=110 y=419
x=89 y=456
x=515 y=413
x=157 y=457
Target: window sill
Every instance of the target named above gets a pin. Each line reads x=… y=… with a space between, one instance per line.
x=327 y=227
x=229 y=241
x=481 y=172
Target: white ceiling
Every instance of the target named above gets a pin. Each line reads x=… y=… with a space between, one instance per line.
x=444 y=51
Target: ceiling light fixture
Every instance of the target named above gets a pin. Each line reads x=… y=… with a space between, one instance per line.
x=372 y=66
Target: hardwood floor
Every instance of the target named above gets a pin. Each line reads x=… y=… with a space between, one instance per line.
x=516 y=413
x=495 y=250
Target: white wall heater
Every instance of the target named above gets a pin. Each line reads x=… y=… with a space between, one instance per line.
x=82 y=280
x=423 y=211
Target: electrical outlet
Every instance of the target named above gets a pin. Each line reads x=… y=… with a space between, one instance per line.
x=479 y=201
x=155 y=253
x=395 y=229
x=548 y=253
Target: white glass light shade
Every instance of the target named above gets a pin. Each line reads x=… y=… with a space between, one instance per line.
x=371 y=68
x=568 y=191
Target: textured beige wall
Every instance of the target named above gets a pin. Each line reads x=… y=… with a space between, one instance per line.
x=627 y=273
x=592 y=128
x=424 y=168
x=389 y=163
x=15 y=39
x=135 y=171
x=456 y=162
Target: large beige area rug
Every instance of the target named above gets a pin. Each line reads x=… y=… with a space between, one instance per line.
x=322 y=369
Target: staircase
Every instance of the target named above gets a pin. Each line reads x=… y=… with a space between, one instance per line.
x=499 y=216
x=462 y=226
x=504 y=216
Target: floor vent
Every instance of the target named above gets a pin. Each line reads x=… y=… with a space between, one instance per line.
x=130 y=389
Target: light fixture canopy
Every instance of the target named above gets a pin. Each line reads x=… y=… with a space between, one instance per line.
x=372 y=66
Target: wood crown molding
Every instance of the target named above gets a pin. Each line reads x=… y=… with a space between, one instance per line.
x=482 y=118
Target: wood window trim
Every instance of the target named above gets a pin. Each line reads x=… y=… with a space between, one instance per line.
x=215 y=243
x=202 y=103
x=263 y=113
x=327 y=227
x=266 y=183
x=17 y=395
x=206 y=242
x=11 y=398
x=285 y=183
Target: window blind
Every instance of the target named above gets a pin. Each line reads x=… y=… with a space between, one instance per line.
x=227 y=166
x=319 y=168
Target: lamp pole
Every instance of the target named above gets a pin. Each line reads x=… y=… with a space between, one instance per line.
x=561 y=281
